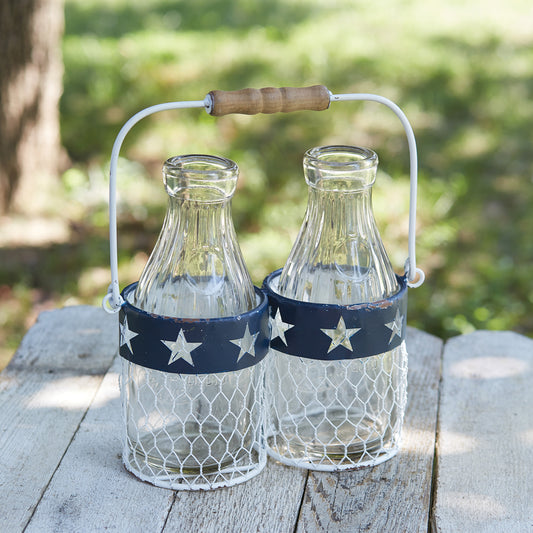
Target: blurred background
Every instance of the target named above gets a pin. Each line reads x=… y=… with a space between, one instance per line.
x=461 y=71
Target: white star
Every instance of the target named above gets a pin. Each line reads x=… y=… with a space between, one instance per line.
x=279 y=327
x=340 y=336
x=126 y=334
x=395 y=326
x=246 y=343
x=181 y=349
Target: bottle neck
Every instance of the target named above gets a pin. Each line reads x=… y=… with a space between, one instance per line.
x=196 y=269
x=340 y=224
x=199 y=221
x=338 y=256
x=200 y=230
x=200 y=189
x=340 y=180
x=352 y=204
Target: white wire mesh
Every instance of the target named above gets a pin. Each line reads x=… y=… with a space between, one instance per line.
x=336 y=415
x=190 y=432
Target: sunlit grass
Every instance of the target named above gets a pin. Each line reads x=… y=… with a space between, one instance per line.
x=461 y=71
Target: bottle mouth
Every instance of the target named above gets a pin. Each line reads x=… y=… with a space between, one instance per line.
x=200 y=177
x=340 y=167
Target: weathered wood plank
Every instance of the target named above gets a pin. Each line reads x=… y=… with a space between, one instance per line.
x=485 y=437
x=44 y=398
x=92 y=487
x=393 y=496
x=81 y=339
x=91 y=490
x=268 y=503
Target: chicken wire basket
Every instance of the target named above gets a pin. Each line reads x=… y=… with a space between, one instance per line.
x=236 y=451
x=192 y=388
x=213 y=365
x=336 y=403
x=336 y=382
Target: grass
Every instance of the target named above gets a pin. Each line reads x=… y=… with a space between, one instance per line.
x=462 y=73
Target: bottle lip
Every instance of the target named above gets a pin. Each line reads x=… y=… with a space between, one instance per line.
x=340 y=168
x=341 y=157
x=214 y=175
x=203 y=165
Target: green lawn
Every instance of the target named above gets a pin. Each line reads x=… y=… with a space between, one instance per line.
x=462 y=72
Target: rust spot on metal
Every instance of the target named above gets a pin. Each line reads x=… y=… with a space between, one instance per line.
x=177 y=319
x=192 y=320
x=380 y=304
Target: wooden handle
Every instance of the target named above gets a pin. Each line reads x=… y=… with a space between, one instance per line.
x=269 y=100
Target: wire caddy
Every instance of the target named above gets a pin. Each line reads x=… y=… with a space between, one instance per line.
x=141 y=333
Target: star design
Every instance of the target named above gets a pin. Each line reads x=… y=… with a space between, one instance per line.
x=340 y=336
x=279 y=327
x=395 y=326
x=181 y=349
x=126 y=334
x=246 y=343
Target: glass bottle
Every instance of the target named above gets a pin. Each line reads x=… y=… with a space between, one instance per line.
x=193 y=425
x=342 y=413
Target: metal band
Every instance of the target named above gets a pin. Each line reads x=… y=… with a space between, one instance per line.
x=193 y=345
x=331 y=332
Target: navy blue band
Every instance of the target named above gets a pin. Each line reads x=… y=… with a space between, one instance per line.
x=193 y=346
x=331 y=332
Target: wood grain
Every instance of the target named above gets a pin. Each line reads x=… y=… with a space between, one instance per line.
x=268 y=503
x=91 y=490
x=60 y=466
x=44 y=396
x=269 y=100
x=91 y=486
x=485 y=443
x=393 y=496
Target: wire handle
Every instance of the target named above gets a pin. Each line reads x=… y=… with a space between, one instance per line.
x=269 y=100
x=251 y=102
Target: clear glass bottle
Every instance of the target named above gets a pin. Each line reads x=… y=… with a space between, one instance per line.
x=346 y=412
x=187 y=424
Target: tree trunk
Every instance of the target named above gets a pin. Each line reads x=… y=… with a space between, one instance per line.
x=30 y=87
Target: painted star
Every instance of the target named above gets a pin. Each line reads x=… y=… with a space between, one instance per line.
x=279 y=327
x=181 y=349
x=340 y=336
x=395 y=326
x=126 y=334
x=246 y=343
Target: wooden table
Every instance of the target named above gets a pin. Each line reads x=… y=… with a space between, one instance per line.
x=465 y=463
